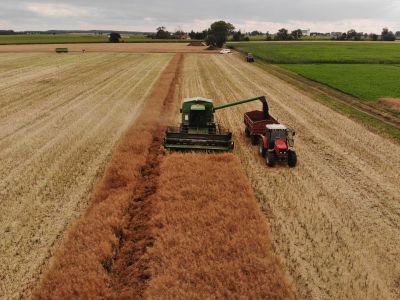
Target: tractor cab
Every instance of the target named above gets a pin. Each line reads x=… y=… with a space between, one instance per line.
x=277 y=134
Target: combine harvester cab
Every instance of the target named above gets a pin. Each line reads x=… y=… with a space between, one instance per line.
x=198 y=130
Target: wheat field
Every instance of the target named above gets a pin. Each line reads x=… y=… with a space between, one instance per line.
x=156 y=232
x=211 y=240
x=60 y=118
x=333 y=220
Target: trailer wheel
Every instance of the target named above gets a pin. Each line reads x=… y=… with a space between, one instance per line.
x=292 y=159
x=247 y=132
x=270 y=159
x=261 y=148
x=254 y=139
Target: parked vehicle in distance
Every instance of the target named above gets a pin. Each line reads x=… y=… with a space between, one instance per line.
x=225 y=51
x=250 y=57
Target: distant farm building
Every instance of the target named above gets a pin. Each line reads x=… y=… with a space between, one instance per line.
x=306 y=32
x=336 y=34
x=319 y=34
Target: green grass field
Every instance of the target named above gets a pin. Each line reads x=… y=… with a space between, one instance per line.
x=53 y=39
x=365 y=81
x=368 y=71
x=322 y=52
x=263 y=38
x=74 y=38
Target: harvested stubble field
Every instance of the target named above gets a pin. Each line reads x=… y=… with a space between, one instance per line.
x=109 y=47
x=60 y=118
x=335 y=217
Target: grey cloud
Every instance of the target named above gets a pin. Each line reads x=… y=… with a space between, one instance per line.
x=125 y=13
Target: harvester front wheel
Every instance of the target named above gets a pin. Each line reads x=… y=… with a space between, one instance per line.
x=270 y=159
x=292 y=159
x=261 y=148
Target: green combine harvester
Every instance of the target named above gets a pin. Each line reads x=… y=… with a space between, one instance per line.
x=199 y=131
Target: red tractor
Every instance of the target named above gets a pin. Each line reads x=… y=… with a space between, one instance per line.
x=275 y=141
x=276 y=144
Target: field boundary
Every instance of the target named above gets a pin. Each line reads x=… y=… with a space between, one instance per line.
x=379 y=120
x=339 y=95
x=88 y=41
x=142 y=48
x=374 y=118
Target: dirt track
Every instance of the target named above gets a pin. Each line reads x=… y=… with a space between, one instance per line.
x=60 y=118
x=335 y=218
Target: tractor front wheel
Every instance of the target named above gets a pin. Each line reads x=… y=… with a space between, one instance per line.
x=261 y=148
x=292 y=159
x=247 y=132
x=270 y=159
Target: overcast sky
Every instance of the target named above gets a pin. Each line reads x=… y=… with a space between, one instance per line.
x=146 y=15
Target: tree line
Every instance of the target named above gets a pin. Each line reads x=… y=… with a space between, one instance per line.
x=353 y=35
x=219 y=32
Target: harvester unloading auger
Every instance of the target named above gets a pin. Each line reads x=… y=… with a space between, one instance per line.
x=199 y=131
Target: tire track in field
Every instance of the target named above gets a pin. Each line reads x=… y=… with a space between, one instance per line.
x=43 y=66
x=336 y=216
x=77 y=65
x=42 y=102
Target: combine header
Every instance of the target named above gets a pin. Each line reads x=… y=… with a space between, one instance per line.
x=199 y=131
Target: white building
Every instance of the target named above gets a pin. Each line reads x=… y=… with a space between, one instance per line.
x=306 y=32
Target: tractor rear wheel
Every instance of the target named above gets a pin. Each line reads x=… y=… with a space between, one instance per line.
x=261 y=148
x=247 y=132
x=292 y=159
x=270 y=159
x=254 y=139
